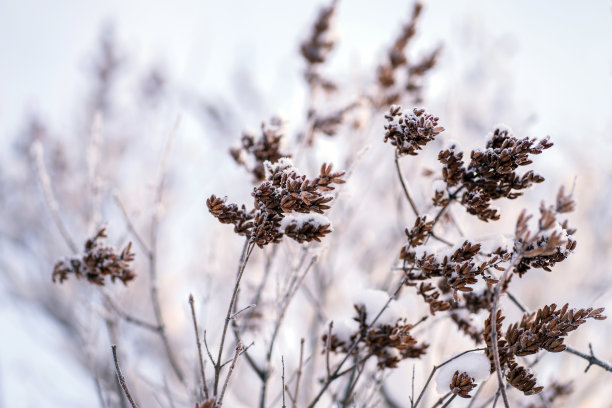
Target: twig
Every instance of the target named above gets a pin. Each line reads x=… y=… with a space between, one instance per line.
x=199 y=344
x=299 y=374
x=243 y=351
x=283 y=381
x=494 y=345
x=590 y=358
x=336 y=372
x=229 y=373
x=130 y=225
x=208 y=349
x=327 y=348
x=122 y=379
x=45 y=182
x=436 y=367
x=291 y=291
x=242 y=310
x=353 y=384
x=154 y=293
x=129 y=318
x=441 y=400
x=244 y=257
x=404 y=186
x=449 y=401
x=412 y=386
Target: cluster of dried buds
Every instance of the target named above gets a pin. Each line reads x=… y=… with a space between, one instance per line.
x=410 y=130
x=389 y=340
x=491 y=173
x=97 y=263
x=320 y=42
x=285 y=203
x=543 y=330
x=397 y=59
x=457 y=267
x=462 y=384
x=552 y=243
x=266 y=147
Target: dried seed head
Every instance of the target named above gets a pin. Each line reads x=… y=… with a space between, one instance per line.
x=462 y=384
x=97 y=262
x=409 y=131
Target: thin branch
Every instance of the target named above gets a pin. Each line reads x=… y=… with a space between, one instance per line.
x=441 y=400
x=494 y=345
x=291 y=291
x=327 y=348
x=348 y=396
x=283 y=381
x=590 y=358
x=404 y=186
x=299 y=374
x=229 y=373
x=37 y=152
x=199 y=344
x=208 y=349
x=412 y=386
x=244 y=257
x=122 y=379
x=130 y=225
x=436 y=367
x=243 y=351
x=449 y=401
x=128 y=317
x=337 y=372
x=242 y=310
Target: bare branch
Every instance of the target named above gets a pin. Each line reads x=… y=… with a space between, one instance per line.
x=122 y=379
x=199 y=344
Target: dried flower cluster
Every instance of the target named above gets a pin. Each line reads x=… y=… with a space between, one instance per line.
x=97 y=263
x=389 y=343
x=462 y=384
x=543 y=330
x=457 y=266
x=491 y=173
x=409 y=130
x=552 y=243
x=266 y=147
x=283 y=193
x=320 y=43
x=389 y=81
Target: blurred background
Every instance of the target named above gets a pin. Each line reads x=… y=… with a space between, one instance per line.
x=100 y=85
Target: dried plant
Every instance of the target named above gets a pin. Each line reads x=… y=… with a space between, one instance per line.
x=279 y=332
x=283 y=193
x=97 y=263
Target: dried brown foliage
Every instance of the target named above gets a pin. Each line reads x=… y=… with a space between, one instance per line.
x=97 y=263
x=409 y=130
x=284 y=192
x=462 y=384
x=390 y=344
x=491 y=173
x=266 y=147
x=542 y=330
x=389 y=73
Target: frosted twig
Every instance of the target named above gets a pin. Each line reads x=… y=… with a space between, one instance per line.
x=199 y=344
x=229 y=374
x=37 y=153
x=122 y=379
